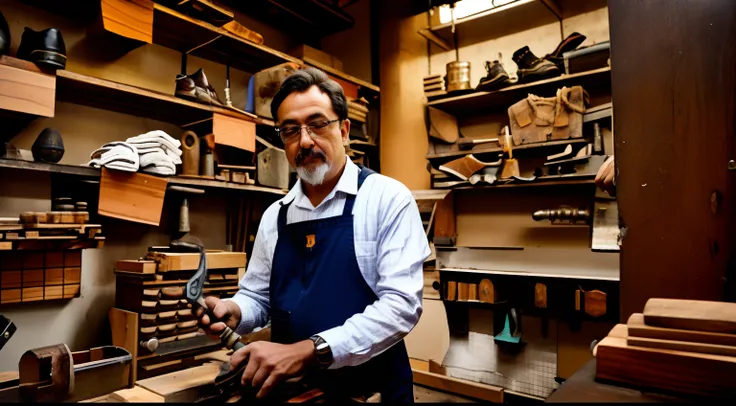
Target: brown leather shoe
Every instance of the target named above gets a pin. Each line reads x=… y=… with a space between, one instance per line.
x=196 y=87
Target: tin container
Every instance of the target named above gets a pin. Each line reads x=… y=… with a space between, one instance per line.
x=458 y=76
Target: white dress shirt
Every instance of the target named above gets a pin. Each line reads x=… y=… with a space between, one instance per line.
x=390 y=246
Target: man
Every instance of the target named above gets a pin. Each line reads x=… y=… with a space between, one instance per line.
x=606 y=177
x=337 y=263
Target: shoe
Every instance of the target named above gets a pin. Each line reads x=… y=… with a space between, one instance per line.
x=196 y=87
x=496 y=77
x=45 y=48
x=532 y=68
x=4 y=35
x=566 y=45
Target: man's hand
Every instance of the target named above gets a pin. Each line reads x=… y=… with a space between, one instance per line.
x=225 y=310
x=605 y=177
x=270 y=363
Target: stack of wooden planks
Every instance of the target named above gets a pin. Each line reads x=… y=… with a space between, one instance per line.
x=679 y=346
x=358 y=109
x=68 y=226
x=434 y=86
x=150 y=300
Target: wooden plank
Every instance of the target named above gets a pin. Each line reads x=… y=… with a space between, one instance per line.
x=682 y=346
x=478 y=102
x=136 y=394
x=178 y=180
x=180 y=382
x=129 y=19
x=462 y=292
x=705 y=375
x=637 y=328
x=38 y=91
x=136 y=265
x=168 y=262
x=124 y=326
x=341 y=75
x=698 y=315
x=133 y=197
x=444 y=221
x=234 y=132
x=459 y=386
x=669 y=116
x=430 y=338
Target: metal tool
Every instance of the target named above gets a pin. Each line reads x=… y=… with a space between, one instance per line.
x=7 y=329
x=563 y=214
x=229 y=338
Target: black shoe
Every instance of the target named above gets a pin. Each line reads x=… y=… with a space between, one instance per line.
x=496 y=77
x=4 y=35
x=45 y=48
x=196 y=87
x=568 y=44
x=532 y=68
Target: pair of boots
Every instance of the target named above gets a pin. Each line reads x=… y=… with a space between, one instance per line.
x=44 y=48
x=531 y=68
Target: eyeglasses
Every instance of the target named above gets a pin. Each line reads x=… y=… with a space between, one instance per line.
x=291 y=133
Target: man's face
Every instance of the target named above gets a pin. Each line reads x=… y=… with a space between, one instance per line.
x=319 y=156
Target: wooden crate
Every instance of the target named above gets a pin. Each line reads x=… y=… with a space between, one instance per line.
x=29 y=276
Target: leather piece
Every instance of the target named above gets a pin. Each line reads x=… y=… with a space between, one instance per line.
x=552 y=118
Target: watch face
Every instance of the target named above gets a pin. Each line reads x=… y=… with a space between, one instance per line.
x=322 y=347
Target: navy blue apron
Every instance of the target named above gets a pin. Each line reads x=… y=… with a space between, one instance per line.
x=316 y=285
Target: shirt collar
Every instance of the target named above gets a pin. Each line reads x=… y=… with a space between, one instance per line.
x=348 y=184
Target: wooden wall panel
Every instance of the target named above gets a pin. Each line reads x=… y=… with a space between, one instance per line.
x=673 y=98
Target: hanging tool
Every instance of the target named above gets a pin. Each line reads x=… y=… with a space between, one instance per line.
x=563 y=214
x=229 y=338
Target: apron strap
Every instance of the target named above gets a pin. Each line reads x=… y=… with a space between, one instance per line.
x=350 y=201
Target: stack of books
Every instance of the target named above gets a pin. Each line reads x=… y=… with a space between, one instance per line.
x=685 y=347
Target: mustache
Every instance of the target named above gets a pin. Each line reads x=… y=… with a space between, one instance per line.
x=305 y=154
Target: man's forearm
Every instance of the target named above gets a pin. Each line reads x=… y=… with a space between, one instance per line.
x=253 y=313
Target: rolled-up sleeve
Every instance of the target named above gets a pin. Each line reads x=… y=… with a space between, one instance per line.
x=401 y=248
x=253 y=295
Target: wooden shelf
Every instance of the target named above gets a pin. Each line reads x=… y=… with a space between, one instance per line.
x=532 y=274
x=555 y=180
x=518 y=10
x=296 y=16
x=89 y=172
x=82 y=89
x=373 y=89
x=175 y=180
x=178 y=31
x=84 y=171
x=481 y=102
x=522 y=147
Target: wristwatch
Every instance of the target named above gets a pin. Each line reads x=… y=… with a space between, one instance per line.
x=322 y=351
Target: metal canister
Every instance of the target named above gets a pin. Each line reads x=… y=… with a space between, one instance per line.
x=458 y=76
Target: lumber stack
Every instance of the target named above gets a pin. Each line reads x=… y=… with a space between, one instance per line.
x=150 y=297
x=686 y=347
x=358 y=109
x=34 y=230
x=29 y=276
x=434 y=86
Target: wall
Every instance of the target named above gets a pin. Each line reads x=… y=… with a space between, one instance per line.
x=82 y=322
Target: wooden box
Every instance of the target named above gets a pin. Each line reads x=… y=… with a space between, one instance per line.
x=132 y=196
x=24 y=88
x=267 y=83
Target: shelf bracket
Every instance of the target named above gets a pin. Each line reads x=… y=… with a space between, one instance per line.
x=553 y=7
x=436 y=39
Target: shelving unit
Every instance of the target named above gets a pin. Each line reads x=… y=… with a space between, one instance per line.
x=296 y=15
x=479 y=102
x=539 y=182
x=490 y=150
x=94 y=174
x=178 y=31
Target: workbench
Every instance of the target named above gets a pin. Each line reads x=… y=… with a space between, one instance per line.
x=582 y=387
